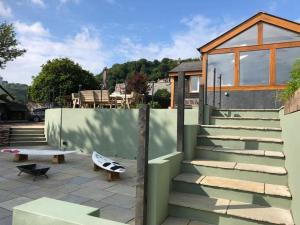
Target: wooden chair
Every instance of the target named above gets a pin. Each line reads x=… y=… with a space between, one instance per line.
x=87 y=99
x=103 y=100
x=75 y=99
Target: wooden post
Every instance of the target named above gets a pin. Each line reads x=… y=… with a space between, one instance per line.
x=172 y=93
x=142 y=167
x=180 y=111
x=201 y=105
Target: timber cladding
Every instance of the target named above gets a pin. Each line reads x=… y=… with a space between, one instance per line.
x=293 y=104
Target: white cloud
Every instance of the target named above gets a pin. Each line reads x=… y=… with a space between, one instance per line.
x=35 y=29
x=200 y=30
x=5 y=10
x=38 y=2
x=84 y=47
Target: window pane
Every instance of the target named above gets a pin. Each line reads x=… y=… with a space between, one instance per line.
x=248 y=37
x=273 y=34
x=224 y=64
x=254 y=67
x=285 y=58
x=194 y=83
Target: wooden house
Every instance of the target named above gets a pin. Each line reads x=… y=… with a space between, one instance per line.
x=254 y=59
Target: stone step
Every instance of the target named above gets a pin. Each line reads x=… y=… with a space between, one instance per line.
x=28 y=143
x=245 y=121
x=16 y=132
x=271 y=158
x=270 y=113
x=26 y=135
x=234 y=189
x=225 y=211
x=17 y=139
x=271 y=132
x=236 y=170
x=241 y=142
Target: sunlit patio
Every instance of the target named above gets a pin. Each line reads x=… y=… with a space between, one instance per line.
x=74 y=181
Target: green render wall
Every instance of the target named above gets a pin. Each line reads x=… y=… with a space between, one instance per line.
x=290 y=133
x=114 y=132
x=161 y=171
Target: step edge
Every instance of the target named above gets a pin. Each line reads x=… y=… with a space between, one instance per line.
x=239 y=190
x=279 y=174
x=241 y=138
x=278 y=129
x=231 y=215
x=231 y=151
x=245 y=118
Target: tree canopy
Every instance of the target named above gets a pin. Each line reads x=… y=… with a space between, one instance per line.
x=60 y=77
x=154 y=70
x=8 y=44
x=294 y=83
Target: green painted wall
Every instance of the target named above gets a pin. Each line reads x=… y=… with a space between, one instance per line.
x=114 y=132
x=46 y=211
x=161 y=171
x=290 y=133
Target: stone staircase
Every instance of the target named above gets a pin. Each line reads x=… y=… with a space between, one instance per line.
x=27 y=136
x=238 y=174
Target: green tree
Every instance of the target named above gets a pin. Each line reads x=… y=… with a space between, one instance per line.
x=8 y=44
x=60 y=77
x=294 y=82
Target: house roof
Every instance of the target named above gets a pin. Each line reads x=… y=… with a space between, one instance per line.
x=259 y=17
x=194 y=66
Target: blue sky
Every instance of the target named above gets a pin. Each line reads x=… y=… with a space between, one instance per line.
x=98 y=33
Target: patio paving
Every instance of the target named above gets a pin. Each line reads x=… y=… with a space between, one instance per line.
x=74 y=181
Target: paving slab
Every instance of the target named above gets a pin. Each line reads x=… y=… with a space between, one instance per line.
x=118 y=214
x=176 y=221
x=6 y=221
x=278 y=190
x=260 y=213
x=234 y=184
x=75 y=199
x=14 y=202
x=122 y=189
x=199 y=202
x=93 y=193
x=120 y=200
x=95 y=204
x=4 y=213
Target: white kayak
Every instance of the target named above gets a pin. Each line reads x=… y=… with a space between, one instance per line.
x=107 y=164
x=22 y=151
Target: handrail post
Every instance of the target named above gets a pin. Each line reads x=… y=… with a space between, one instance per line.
x=214 y=88
x=142 y=166
x=180 y=111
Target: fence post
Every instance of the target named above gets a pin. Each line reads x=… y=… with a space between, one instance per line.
x=180 y=111
x=142 y=167
x=201 y=104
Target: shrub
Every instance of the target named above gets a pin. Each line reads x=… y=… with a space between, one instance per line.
x=154 y=105
x=294 y=83
x=162 y=96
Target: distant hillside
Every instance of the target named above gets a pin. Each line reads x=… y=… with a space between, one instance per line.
x=153 y=69
x=19 y=91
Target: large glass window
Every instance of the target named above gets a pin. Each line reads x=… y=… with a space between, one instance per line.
x=273 y=34
x=254 y=67
x=224 y=64
x=248 y=37
x=285 y=58
x=194 y=83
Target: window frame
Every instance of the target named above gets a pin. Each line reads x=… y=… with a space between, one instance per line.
x=272 y=47
x=190 y=84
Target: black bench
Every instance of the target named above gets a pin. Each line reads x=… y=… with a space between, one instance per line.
x=34 y=170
